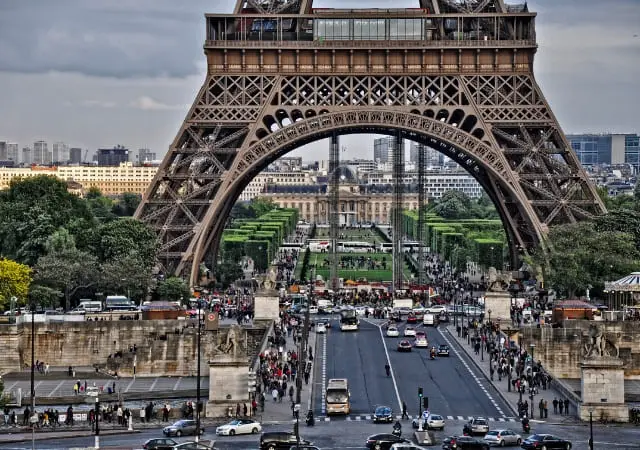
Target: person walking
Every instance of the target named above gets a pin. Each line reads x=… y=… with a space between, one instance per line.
x=560 y=406
x=555 y=405
x=566 y=406
x=404 y=410
x=546 y=409
x=541 y=408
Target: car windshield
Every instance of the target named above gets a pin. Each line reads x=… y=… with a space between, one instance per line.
x=480 y=422
x=181 y=423
x=536 y=437
x=383 y=410
x=235 y=422
x=443 y=347
x=337 y=396
x=492 y=433
x=435 y=417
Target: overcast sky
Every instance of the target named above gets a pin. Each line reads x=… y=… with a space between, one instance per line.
x=96 y=73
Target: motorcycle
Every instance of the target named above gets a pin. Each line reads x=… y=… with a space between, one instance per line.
x=432 y=354
x=397 y=430
x=526 y=427
x=311 y=421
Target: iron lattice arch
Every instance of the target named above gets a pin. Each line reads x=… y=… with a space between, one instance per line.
x=496 y=125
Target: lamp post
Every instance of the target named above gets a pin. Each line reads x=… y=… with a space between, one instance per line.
x=590 y=428
x=532 y=389
x=197 y=438
x=33 y=373
x=296 y=411
x=97 y=419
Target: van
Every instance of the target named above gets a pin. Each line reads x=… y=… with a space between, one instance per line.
x=429 y=319
x=89 y=306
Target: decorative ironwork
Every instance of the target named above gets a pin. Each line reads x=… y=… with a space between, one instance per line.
x=475 y=100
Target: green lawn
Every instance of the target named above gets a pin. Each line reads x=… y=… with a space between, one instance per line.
x=353 y=274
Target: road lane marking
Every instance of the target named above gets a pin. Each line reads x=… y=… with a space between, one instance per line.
x=129 y=385
x=324 y=374
x=175 y=386
x=386 y=351
x=153 y=385
x=56 y=388
x=473 y=375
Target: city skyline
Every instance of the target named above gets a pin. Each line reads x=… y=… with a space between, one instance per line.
x=94 y=74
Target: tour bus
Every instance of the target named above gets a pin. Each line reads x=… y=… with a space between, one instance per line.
x=349 y=320
x=118 y=303
x=337 y=396
x=386 y=247
x=292 y=246
x=356 y=247
x=319 y=245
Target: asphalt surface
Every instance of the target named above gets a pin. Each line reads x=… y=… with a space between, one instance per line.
x=452 y=384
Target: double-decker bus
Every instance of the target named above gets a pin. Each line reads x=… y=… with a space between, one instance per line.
x=337 y=396
x=349 y=320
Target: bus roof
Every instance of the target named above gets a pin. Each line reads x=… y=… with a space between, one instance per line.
x=337 y=383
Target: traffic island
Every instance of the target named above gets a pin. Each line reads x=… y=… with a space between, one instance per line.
x=425 y=437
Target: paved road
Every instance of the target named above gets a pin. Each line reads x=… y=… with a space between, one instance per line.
x=336 y=435
x=453 y=385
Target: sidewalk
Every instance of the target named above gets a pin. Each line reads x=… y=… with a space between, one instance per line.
x=278 y=413
x=512 y=397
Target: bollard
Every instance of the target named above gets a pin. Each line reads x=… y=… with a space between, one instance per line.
x=130 y=423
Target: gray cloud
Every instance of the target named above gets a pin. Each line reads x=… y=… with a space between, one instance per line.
x=101 y=72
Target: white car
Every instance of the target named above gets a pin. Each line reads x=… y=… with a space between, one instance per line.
x=430 y=422
x=407 y=446
x=437 y=309
x=239 y=426
x=393 y=332
x=421 y=342
x=409 y=331
x=502 y=438
x=361 y=310
x=321 y=328
x=313 y=310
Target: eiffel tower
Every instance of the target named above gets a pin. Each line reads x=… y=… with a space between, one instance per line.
x=453 y=75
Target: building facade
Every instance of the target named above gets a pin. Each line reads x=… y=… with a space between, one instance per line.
x=113 y=156
x=607 y=149
x=13 y=153
x=41 y=154
x=383 y=149
x=75 y=155
x=26 y=156
x=110 y=180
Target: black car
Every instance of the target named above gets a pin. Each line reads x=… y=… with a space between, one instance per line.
x=464 y=443
x=279 y=440
x=443 y=350
x=383 y=414
x=384 y=441
x=546 y=441
x=159 y=444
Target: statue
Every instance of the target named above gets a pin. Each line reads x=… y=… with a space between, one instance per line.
x=270 y=281
x=596 y=346
x=233 y=344
x=498 y=281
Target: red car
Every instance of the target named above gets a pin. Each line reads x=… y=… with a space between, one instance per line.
x=412 y=318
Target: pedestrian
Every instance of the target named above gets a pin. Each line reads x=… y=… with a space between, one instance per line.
x=237 y=409
x=274 y=394
x=291 y=393
x=555 y=405
x=566 y=406
x=142 y=415
x=546 y=410
x=560 y=406
x=245 y=410
x=404 y=410
x=541 y=408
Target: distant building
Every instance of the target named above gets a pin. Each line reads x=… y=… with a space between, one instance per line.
x=432 y=157
x=145 y=156
x=610 y=149
x=75 y=155
x=113 y=156
x=26 y=156
x=12 y=152
x=110 y=180
x=383 y=149
x=60 y=153
x=41 y=155
x=3 y=151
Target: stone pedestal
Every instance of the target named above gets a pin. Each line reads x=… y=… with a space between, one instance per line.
x=603 y=389
x=500 y=305
x=266 y=305
x=228 y=385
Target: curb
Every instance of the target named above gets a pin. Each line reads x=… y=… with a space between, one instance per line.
x=475 y=363
x=46 y=436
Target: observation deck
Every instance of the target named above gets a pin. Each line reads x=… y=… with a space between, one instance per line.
x=439 y=36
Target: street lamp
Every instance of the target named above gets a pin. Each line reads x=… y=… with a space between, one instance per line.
x=590 y=428
x=296 y=412
x=532 y=389
x=97 y=419
x=197 y=438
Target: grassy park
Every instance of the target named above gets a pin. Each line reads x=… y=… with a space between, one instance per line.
x=380 y=272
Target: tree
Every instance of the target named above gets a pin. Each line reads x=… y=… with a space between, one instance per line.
x=580 y=255
x=453 y=205
x=228 y=272
x=623 y=220
x=15 y=279
x=127 y=275
x=173 y=289
x=261 y=206
x=44 y=296
x=68 y=270
x=120 y=238
x=126 y=205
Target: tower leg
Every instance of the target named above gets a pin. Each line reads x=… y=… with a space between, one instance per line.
x=334 y=214
x=396 y=212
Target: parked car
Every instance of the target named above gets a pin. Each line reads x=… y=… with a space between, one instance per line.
x=159 y=444
x=546 y=441
x=182 y=428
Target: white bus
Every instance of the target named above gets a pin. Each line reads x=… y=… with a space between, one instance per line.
x=356 y=247
x=409 y=246
x=386 y=247
x=319 y=245
x=349 y=320
x=337 y=396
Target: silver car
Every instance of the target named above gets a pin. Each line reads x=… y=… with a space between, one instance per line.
x=502 y=438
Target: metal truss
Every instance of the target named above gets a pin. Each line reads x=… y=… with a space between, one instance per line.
x=498 y=126
x=334 y=214
x=422 y=204
x=396 y=211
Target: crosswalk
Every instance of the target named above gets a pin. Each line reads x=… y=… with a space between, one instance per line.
x=364 y=418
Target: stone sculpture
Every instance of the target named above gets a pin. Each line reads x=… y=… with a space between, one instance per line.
x=234 y=343
x=498 y=281
x=270 y=282
x=598 y=343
